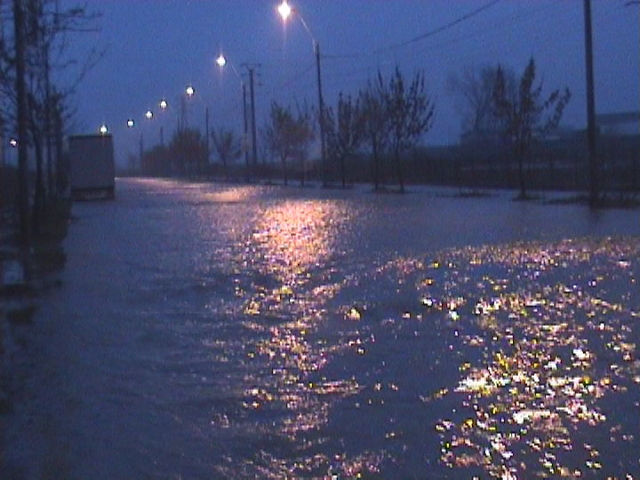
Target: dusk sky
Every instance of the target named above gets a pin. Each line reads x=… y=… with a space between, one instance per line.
x=154 y=49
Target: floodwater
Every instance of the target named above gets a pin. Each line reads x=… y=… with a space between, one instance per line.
x=215 y=331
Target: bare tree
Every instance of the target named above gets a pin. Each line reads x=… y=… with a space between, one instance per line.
x=410 y=112
x=374 y=123
x=288 y=136
x=345 y=131
x=29 y=60
x=523 y=118
x=227 y=147
x=189 y=151
x=473 y=90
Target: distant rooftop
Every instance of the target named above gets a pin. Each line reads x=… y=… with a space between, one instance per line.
x=617 y=118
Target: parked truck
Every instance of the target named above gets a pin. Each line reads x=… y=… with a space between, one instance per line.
x=92 y=167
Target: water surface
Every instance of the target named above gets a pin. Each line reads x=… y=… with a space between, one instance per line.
x=207 y=331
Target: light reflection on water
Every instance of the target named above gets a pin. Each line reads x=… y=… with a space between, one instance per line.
x=255 y=331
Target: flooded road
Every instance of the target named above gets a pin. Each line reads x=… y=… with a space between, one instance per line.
x=214 y=331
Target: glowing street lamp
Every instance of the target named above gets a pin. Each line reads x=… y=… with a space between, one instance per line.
x=131 y=123
x=190 y=92
x=163 y=107
x=285 y=10
x=103 y=129
x=148 y=115
x=221 y=61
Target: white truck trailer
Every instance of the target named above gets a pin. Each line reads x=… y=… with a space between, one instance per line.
x=92 y=167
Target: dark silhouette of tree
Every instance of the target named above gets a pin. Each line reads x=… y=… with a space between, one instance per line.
x=473 y=90
x=188 y=150
x=374 y=123
x=28 y=62
x=289 y=136
x=228 y=147
x=523 y=118
x=410 y=114
x=344 y=131
x=156 y=162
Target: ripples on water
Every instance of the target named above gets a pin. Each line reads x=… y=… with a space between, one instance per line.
x=261 y=333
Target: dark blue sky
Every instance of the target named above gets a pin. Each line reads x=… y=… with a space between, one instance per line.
x=156 y=48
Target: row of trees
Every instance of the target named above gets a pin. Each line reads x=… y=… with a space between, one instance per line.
x=380 y=125
x=37 y=80
x=387 y=117
x=187 y=153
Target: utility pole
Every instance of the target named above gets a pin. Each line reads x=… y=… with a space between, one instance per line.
x=206 y=128
x=594 y=171
x=182 y=119
x=254 y=144
x=321 y=118
x=141 y=153
x=245 y=138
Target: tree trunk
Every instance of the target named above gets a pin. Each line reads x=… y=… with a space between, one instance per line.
x=376 y=166
x=399 y=171
x=61 y=173
x=284 y=170
x=21 y=94
x=47 y=128
x=39 y=193
x=520 y=152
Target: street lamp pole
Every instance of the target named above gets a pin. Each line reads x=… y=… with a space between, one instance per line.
x=221 y=61
x=163 y=106
x=254 y=146
x=246 y=127
x=285 y=10
x=251 y=68
x=206 y=129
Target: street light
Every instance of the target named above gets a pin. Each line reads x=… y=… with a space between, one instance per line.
x=163 y=107
x=190 y=91
x=285 y=10
x=103 y=129
x=131 y=123
x=221 y=61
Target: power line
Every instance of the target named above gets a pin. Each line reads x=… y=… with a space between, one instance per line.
x=446 y=43
x=295 y=77
x=420 y=37
x=439 y=29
